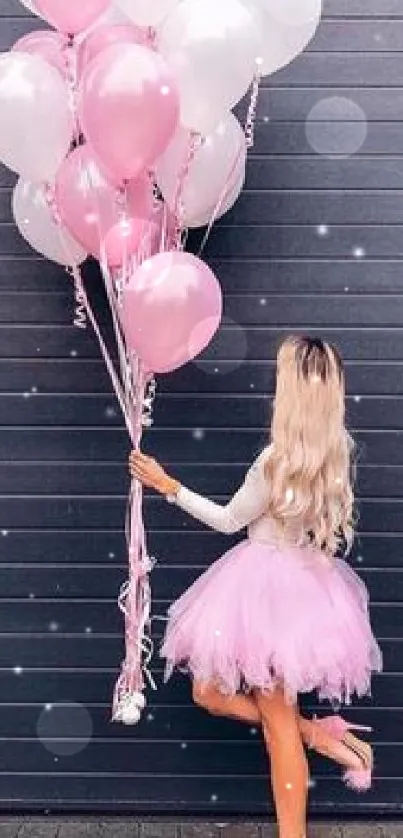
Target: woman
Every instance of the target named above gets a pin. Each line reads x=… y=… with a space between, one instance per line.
x=279 y=614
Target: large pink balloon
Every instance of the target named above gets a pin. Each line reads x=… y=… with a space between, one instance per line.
x=46 y=44
x=171 y=309
x=107 y=35
x=71 y=16
x=88 y=203
x=129 y=108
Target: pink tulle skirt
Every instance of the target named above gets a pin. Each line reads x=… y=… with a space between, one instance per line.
x=263 y=616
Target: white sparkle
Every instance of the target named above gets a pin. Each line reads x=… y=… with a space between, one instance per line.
x=18 y=670
x=4 y=533
x=216 y=369
x=266 y=119
x=26 y=395
x=183 y=746
x=34 y=389
x=263 y=301
x=322 y=230
x=357 y=399
x=311 y=783
x=88 y=630
x=150 y=717
x=253 y=731
x=48 y=707
x=73 y=353
x=53 y=626
x=111 y=555
x=32 y=596
x=358 y=252
x=347 y=288
x=288 y=786
x=217 y=633
x=214 y=798
x=198 y=433
x=110 y=412
x=360 y=559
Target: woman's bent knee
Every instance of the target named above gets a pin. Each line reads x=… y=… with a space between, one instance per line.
x=207 y=697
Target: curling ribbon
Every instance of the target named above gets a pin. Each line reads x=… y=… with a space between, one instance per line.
x=249 y=131
x=135 y=596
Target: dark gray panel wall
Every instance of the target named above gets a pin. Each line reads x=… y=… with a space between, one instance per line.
x=315 y=243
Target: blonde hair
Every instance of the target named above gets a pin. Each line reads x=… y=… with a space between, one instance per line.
x=309 y=469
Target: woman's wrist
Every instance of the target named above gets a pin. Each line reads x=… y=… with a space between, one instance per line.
x=169 y=486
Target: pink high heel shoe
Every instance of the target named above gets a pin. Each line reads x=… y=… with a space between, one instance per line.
x=337 y=728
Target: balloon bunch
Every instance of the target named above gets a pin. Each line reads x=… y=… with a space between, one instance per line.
x=119 y=124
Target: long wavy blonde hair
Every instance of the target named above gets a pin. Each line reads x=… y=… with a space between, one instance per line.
x=310 y=467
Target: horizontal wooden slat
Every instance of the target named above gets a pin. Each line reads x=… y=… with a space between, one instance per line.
x=75 y=376
x=360 y=69
x=188 y=795
x=362 y=8
x=93 y=582
x=177 y=411
x=258 y=377
x=291 y=137
x=185 y=726
x=207 y=759
x=104 y=619
x=358 y=36
x=293 y=104
x=320 y=208
x=286 y=242
x=97 y=479
x=170 y=446
x=321 y=173
x=38 y=546
x=95 y=687
x=317 y=276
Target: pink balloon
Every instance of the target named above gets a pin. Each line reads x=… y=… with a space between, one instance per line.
x=106 y=36
x=48 y=45
x=88 y=203
x=129 y=108
x=129 y=237
x=171 y=309
x=71 y=16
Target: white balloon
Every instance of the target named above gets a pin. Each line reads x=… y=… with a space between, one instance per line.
x=232 y=193
x=36 y=119
x=147 y=12
x=211 y=47
x=216 y=171
x=34 y=219
x=286 y=27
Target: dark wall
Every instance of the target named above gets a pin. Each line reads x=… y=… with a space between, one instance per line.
x=315 y=243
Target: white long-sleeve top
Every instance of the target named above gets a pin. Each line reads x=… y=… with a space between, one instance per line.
x=247 y=508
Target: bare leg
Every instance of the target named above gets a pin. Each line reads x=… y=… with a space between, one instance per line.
x=289 y=768
x=245 y=709
x=241 y=707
